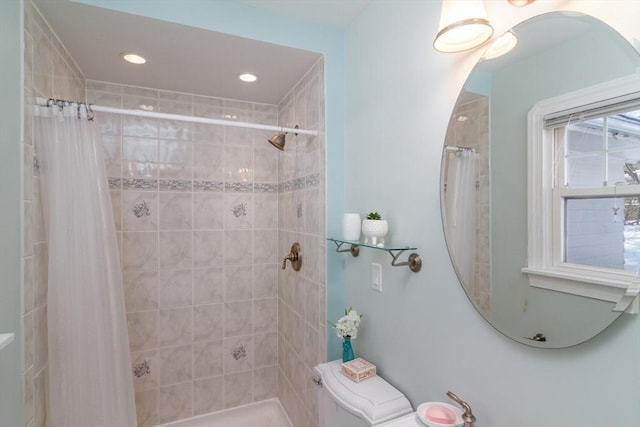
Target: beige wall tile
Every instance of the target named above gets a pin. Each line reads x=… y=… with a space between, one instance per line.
x=176 y=402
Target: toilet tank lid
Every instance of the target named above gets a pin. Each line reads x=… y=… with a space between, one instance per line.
x=373 y=399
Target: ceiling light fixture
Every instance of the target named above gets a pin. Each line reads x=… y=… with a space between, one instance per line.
x=501 y=46
x=248 y=77
x=463 y=26
x=133 y=58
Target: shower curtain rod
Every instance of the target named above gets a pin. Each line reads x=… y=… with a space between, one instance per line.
x=43 y=102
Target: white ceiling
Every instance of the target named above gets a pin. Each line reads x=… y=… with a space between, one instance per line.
x=333 y=13
x=187 y=59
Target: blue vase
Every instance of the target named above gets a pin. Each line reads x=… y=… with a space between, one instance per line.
x=347 y=350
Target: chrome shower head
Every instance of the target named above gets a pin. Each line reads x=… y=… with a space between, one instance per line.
x=278 y=140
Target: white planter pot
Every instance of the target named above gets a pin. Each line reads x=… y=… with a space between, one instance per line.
x=375 y=230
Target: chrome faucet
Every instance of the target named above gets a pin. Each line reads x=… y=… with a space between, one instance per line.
x=467 y=416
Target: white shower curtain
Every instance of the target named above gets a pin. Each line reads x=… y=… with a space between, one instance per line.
x=90 y=382
x=460 y=205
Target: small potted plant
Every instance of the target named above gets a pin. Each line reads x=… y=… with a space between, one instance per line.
x=374 y=228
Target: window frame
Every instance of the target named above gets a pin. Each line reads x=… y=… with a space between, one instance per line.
x=545 y=266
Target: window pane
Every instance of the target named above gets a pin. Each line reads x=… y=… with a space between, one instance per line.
x=585 y=171
x=591 y=160
x=624 y=130
x=623 y=167
x=585 y=154
x=632 y=172
x=603 y=232
x=585 y=137
x=624 y=147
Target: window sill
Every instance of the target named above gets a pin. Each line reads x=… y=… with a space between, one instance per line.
x=622 y=289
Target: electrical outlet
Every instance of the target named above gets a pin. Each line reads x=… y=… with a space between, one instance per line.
x=376 y=277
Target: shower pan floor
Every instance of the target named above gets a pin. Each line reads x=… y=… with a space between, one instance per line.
x=266 y=413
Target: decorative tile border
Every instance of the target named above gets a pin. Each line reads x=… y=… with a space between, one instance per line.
x=301 y=183
x=312 y=180
x=138 y=184
x=115 y=183
x=175 y=185
x=284 y=187
x=208 y=186
x=265 y=188
x=238 y=187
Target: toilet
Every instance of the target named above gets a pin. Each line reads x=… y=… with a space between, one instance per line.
x=345 y=403
x=410 y=420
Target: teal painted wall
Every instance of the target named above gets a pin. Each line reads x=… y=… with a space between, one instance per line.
x=10 y=194
x=422 y=332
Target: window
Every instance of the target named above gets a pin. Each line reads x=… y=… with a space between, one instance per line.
x=600 y=156
x=584 y=193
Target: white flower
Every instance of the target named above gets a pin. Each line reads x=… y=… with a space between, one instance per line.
x=348 y=324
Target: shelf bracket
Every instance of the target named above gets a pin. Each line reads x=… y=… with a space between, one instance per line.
x=354 y=249
x=414 y=262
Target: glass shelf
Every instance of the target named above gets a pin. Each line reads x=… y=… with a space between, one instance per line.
x=414 y=262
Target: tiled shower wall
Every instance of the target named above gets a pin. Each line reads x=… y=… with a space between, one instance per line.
x=474 y=132
x=49 y=72
x=302 y=207
x=204 y=216
x=196 y=210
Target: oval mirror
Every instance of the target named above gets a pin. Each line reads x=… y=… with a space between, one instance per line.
x=484 y=174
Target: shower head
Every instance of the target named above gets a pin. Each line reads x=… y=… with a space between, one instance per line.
x=278 y=139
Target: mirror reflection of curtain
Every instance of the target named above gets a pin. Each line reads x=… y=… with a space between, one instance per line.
x=460 y=205
x=90 y=379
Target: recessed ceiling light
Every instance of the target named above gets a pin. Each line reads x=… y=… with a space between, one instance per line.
x=134 y=58
x=248 y=77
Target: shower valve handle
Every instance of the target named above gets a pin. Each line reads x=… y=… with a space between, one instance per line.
x=295 y=256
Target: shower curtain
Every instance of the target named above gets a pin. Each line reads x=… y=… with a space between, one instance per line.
x=90 y=382
x=460 y=205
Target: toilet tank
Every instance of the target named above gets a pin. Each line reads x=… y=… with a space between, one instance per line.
x=345 y=403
